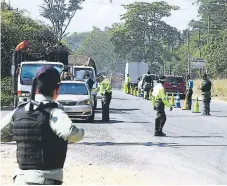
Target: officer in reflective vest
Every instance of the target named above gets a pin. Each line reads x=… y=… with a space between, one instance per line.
x=160 y=102
x=41 y=134
x=105 y=90
x=128 y=81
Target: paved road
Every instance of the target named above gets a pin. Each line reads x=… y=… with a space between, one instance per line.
x=194 y=152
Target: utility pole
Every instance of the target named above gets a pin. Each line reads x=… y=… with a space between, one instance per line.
x=208 y=39
x=200 y=54
x=189 y=61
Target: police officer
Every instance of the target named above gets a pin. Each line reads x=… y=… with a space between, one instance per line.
x=148 y=83
x=88 y=80
x=189 y=91
x=160 y=102
x=128 y=82
x=42 y=134
x=105 y=90
x=206 y=94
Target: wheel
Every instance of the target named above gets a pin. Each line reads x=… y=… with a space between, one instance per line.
x=95 y=102
x=92 y=117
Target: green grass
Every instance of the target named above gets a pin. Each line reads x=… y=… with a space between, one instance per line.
x=219 y=88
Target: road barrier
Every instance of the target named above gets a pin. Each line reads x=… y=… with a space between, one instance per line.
x=177 y=102
x=185 y=103
x=196 y=106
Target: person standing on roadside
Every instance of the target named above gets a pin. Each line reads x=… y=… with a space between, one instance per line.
x=206 y=94
x=189 y=91
x=41 y=134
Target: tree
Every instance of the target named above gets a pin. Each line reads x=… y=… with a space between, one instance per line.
x=98 y=46
x=144 y=35
x=60 y=14
x=15 y=27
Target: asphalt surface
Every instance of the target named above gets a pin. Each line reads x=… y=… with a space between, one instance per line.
x=193 y=152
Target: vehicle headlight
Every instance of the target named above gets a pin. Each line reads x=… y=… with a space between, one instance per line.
x=84 y=102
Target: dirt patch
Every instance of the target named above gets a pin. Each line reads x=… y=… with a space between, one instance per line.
x=78 y=174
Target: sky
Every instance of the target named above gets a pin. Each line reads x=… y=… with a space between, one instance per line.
x=102 y=13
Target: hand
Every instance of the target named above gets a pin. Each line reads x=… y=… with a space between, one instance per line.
x=171 y=108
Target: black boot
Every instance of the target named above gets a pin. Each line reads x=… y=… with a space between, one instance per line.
x=159 y=133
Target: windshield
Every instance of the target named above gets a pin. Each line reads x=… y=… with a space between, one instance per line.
x=79 y=72
x=73 y=88
x=28 y=71
x=174 y=79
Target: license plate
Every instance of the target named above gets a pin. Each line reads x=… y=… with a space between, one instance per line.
x=174 y=86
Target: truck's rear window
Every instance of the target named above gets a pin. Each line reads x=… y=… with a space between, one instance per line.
x=174 y=79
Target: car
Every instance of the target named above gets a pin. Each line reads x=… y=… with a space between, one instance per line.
x=77 y=100
x=175 y=84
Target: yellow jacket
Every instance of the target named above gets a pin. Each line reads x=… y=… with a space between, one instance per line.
x=159 y=93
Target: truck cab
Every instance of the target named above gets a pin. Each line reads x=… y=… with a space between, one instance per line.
x=78 y=65
x=27 y=72
x=24 y=69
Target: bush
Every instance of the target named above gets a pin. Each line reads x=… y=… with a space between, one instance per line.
x=6 y=92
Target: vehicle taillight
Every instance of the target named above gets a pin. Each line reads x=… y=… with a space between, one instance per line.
x=165 y=84
x=23 y=93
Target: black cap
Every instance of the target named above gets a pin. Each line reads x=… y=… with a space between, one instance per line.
x=50 y=71
x=162 y=78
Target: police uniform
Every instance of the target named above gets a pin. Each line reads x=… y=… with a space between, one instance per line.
x=160 y=102
x=128 y=81
x=42 y=136
x=206 y=95
x=189 y=92
x=105 y=90
x=148 y=84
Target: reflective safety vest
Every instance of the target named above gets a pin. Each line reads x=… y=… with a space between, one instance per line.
x=104 y=86
x=128 y=80
x=159 y=93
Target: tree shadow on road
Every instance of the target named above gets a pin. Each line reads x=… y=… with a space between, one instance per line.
x=127 y=143
x=149 y=144
x=97 y=122
x=194 y=136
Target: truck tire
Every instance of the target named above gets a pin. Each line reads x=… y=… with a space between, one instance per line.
x=95 y=102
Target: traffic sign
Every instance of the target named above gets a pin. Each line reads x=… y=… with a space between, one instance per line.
x=198 y=60
x=197 y=64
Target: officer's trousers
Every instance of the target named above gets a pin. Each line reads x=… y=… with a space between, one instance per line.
x=189 y=95
x=106 y=106
x=206 y=97
x=160 y=116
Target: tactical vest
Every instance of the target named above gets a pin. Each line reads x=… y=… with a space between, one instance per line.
x=148 y=79
x=206 y=86
x=38 y=147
